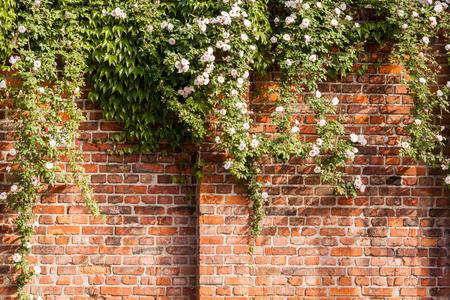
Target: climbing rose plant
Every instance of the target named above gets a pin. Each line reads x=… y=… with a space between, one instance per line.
x=180 y=71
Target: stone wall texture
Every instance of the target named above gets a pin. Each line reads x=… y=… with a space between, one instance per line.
x=391 y=242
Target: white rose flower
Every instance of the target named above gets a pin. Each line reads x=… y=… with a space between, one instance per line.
x=319 y=4
x=8 y=169
x=349 y=154
x=295 y=129
x=28 y=245
x=317 y=169
x=337 y=11
x=307 y=39
x=49 y=165
x=276 y=20
x=438 y=8
x=223 y=111
x=279 y=109
x=227 y=165
x=36 y=224
x=254 y=144
x=246 y=126
x=36 y=65
x=447 y=179
x=334 y=22
x=288 y=62
x=14 y=188
x=305 y=6
x=439 y=93
x=417 y=122
x=52 y=143
x=217 y=139
x=335 y=101
x=219 y=44
x=252 y=47
x=426 y=40
x=22 y=29
x=405 y=145
x=405 y=26
x=433 y=21
x=172 y=41
x=274 y=39
x=289 y=20
x=401 y=13
x=231 y=130
x=17 y=257
x=41 y=90
x=422 y=80
x=3 y=84
x=318 y=94
x=37 y=270
x=353 y=138
x=447 y=47
x=247 y=23
x=234 y=93
x=242 y=146
x=264 y=195
x=362 y=189
x=104 y=12
x=244 y=37
x=305 y=22
x=362 y=140
x=313 y=58
x=12 y=60
x=319 y=142
x=286 y=37
x=322 y=122
x=12 y=152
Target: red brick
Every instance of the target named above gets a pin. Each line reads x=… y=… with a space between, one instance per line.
x=346 y=251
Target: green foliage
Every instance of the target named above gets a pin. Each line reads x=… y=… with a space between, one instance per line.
x=7 y=18
x=47 y=49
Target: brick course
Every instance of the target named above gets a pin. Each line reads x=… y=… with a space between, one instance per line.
x=389 y=243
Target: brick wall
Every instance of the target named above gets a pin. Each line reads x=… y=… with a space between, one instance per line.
x=392 y=242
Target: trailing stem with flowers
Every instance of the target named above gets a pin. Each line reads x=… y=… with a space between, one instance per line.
x=180 y=71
